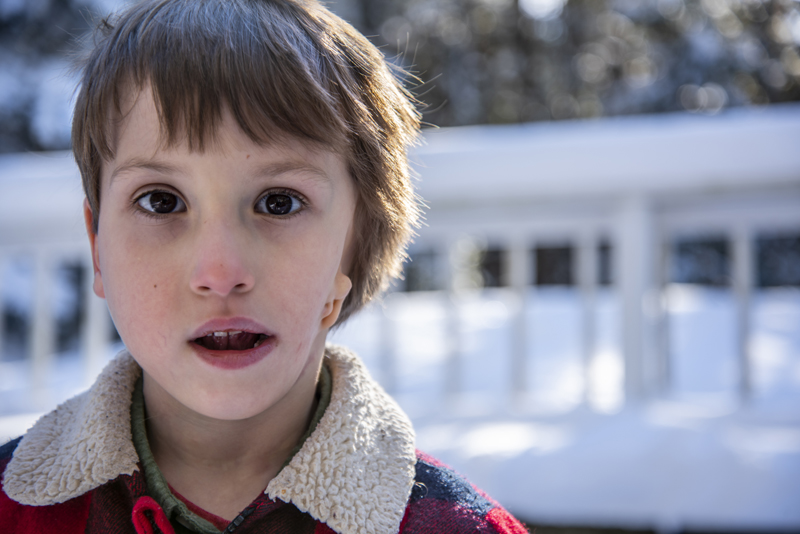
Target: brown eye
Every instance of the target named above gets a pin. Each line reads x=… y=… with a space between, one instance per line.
x=278 y=204
x=161 y=202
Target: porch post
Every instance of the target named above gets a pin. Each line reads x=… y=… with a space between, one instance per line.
x=743 y=280
x=636 y=250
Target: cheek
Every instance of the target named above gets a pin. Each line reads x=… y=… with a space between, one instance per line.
x=139 y=283
x=305 y=278
x=304 y=286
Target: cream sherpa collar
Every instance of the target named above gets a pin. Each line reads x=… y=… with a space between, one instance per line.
x=354 y=472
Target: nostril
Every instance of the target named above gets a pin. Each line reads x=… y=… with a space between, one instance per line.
x=212 y=278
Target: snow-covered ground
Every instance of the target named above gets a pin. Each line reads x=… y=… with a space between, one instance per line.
x=693 y=457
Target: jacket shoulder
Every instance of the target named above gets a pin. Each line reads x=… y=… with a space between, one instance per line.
x=65 y=518
x=442 y=501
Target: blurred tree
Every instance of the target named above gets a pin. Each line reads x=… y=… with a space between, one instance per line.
x=478 y=61
x=501 y=61
x=36 y=41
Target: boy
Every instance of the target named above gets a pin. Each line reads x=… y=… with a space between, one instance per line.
x=247 y=189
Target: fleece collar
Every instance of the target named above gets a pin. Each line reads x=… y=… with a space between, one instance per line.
x=354 y=472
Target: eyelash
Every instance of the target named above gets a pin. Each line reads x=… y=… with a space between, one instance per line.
x=160 y=216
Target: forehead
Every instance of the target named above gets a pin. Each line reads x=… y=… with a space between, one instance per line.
x=139 y=133
x=143 y=150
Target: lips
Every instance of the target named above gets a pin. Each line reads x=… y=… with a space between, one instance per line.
x=232 y=343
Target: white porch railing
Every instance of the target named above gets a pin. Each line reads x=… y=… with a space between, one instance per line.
x=641 y=233
x=638 y=183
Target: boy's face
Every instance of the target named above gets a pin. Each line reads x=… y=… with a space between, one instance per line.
x=223 y=269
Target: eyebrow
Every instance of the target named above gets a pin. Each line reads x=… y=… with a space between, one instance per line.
x=271 y=169
x=148 y=165
x=285 y=167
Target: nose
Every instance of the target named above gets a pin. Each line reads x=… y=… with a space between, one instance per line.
x=221 y=266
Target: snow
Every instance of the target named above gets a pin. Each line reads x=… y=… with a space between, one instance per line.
x=20 y=405
x=695 y=457
x=695 y=313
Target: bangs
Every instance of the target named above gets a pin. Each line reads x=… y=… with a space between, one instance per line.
x=198 y=57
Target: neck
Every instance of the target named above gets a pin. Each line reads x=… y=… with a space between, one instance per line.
x=221 y=465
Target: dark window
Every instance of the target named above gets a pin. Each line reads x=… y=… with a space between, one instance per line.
x=553 y=266
x=421 y=272
x=16 y=307
x=71 y=306
x=15 y=333
x=778 y=261
x=492 y=265
x=701 y=261
x=604 y=273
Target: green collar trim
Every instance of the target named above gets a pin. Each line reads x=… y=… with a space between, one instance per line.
x=157 y=487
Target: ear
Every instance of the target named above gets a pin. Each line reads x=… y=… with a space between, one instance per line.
x=88 y=219
x=333 y=307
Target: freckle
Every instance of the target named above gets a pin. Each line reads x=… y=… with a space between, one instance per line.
x=248 y=156
x=154 y=286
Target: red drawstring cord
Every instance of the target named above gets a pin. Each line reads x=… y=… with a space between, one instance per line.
x=142 y=524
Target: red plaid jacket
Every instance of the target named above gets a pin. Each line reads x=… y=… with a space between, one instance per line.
x=441 y=502
x=76 y=471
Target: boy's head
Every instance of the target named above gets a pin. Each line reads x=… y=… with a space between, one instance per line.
x=280 y=69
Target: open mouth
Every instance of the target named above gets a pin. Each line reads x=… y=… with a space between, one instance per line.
x=231 y=340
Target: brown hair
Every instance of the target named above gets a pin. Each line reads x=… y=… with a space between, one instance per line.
x=282 y=67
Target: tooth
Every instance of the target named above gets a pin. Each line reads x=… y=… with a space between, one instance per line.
x=220 y=334
x=234 y=332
